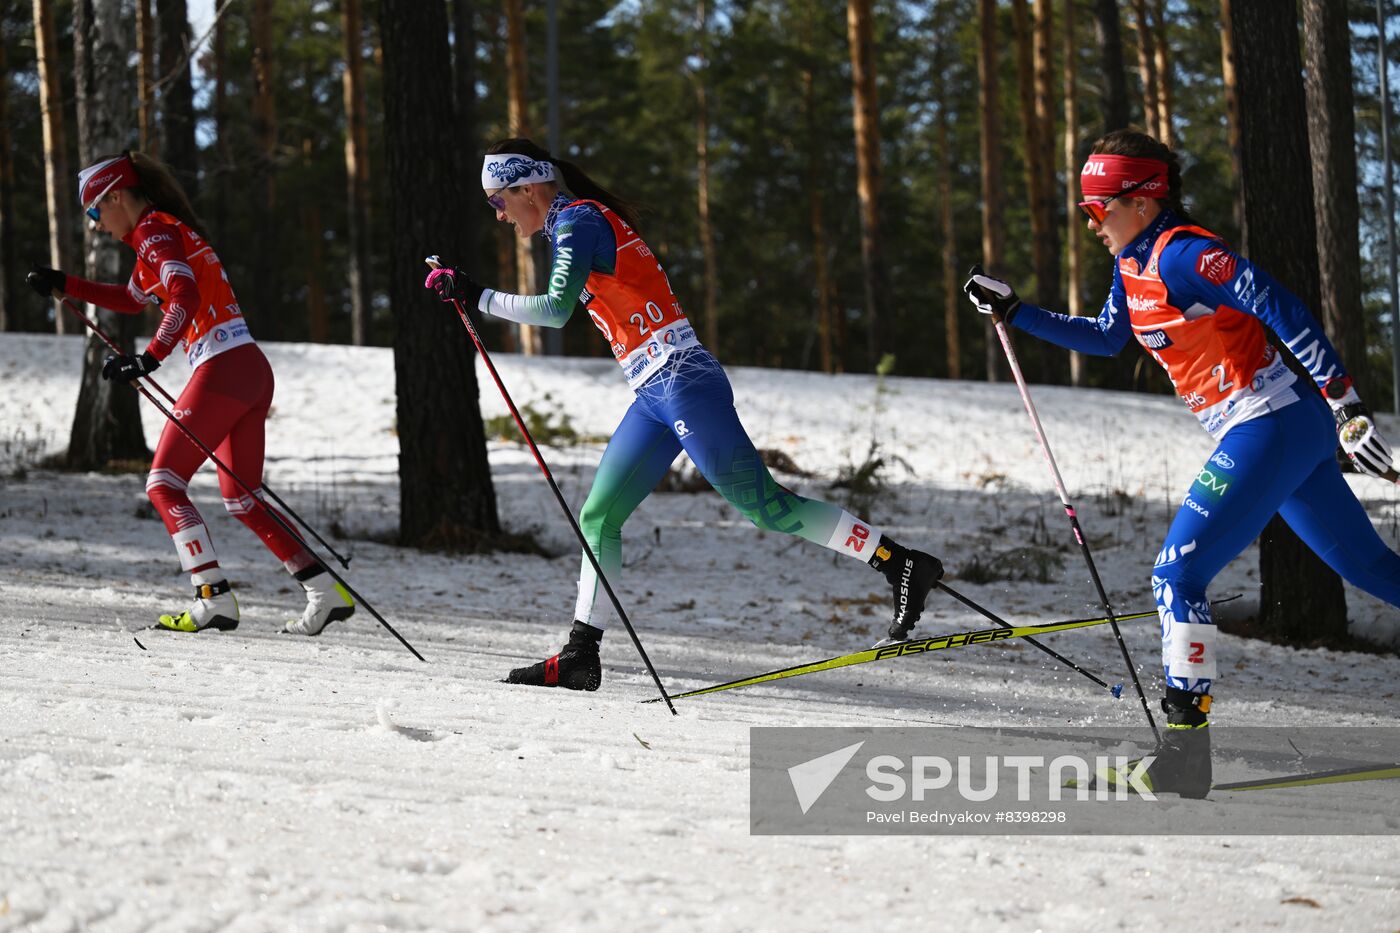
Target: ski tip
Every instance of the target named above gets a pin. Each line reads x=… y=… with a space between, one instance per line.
x=1117 y=691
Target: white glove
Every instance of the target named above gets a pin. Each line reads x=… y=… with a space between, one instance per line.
x=991 y=295
x=1356 y=429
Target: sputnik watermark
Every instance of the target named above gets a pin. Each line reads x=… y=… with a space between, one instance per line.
x=977 y=780
x=1066 y=777
x=1068 y=780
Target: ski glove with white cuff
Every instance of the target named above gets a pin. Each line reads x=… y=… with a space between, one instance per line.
x=991 y=295
x=454 y=284
x=1356 y=428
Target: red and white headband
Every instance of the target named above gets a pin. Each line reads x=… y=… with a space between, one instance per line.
x=1107 y=175
x=107 y=175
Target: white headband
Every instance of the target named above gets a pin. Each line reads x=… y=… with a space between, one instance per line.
x=507 y=170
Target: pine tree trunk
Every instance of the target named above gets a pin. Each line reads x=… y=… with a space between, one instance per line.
x=702 y=172
x=1162 y=72
x=313 y=258
x=222 y=159
x=816 y=184
x=11 y=316
x=178 y=147
x=1232 y=114
x=56 y=175
x=464 y=66
x=1108 y=30
x=1301 y=600
x=860 y=33
x=1332 y=144
x=1047 y=247
x=106 y=419
x=1075 y=223
x=464 y=75
x=1147 y=64
x=519 y=125
x=952 y=299
x=446 y=496
x=989 y=98
x=1031 y=128
x=145 y=79
x=357 y=171
x=264 y=313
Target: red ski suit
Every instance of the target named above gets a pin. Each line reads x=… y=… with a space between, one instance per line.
x=226 y=401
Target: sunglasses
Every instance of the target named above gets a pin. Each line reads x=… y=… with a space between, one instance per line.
x=1097 y=209
x=497 y=200
x=91 y=208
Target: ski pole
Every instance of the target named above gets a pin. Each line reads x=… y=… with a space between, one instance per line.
x=436 y=263
x=1116 y=690
x=139 y=386
x=1015 y=364
x=150 y=380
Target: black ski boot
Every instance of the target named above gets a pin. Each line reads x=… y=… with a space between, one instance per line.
x=1182 y=763
x=576 y=667
x=912 y=574
x=1181 y=760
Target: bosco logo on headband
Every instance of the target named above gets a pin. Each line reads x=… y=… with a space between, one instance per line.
x=107 y=175
x=1107 y=175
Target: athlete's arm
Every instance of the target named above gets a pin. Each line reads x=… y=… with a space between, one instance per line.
x=119 y=298
x=1104 y=335
x=160 y=247
x=1197 y=270
x=583 y=241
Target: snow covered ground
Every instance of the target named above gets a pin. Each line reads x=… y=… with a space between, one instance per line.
x=251 y=781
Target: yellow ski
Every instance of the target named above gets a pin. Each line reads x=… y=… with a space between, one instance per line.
x=919 y=646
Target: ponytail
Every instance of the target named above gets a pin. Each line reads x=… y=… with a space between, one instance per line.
x=575 y=179
x=159 y=187
x=578 y=182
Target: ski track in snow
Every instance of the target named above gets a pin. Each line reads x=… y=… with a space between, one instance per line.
x=252 y=781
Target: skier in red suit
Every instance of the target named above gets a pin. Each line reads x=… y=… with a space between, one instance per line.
x=225 y=404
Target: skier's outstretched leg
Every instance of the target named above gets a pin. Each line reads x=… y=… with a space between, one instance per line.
x=243 y=451
x=695 y=398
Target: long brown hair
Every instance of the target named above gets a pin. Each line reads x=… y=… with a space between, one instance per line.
x=1139 y=145
x=575 y=178
x=158 y=185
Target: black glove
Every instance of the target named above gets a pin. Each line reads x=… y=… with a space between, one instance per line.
x=991 y=295
x=129 y=366
x=454 y=284
x=46 y=281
